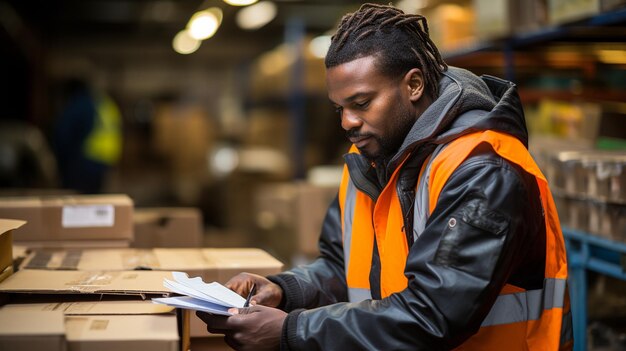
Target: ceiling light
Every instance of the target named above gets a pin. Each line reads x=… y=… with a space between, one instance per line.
x=184 y=44
x=256 y=16
x=240 y=2
x=204 y=24
x=319 y=46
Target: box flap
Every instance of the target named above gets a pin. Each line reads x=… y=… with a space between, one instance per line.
x=118 y=259
x=6 y=273
x=74 y=244
x=244 y=258
x=116 y=199
x=183 y=259
x=83 y=308
x=7 y=226
x=10 y=224
x=87 y=282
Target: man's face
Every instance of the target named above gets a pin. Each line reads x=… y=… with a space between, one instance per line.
x=375 y=110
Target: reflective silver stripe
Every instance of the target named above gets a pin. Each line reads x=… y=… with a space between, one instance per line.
x=554 y=293
x=421 y=208
x=357 y=294
x=354 y=294
x=348 y=215
x=527 y=305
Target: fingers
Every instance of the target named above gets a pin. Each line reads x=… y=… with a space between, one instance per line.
x=242 y=283
x=262 y=296
x=269 y=295
x=215 y=324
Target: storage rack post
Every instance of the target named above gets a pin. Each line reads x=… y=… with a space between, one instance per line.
x=589 y=252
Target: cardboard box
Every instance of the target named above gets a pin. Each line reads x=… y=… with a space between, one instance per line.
x=74 y=244
x=80 y=217
x=312 y=203
x=101 y=325
x=290 y=215
x=215 y=343
x=191 y=261
x=492 y=18
x=120 y=333
x=7 y=227
x=32 y=330
x=168 y=227
x=452 y=26
x=210 y=264
x=563 y=11
x=34 y=281
x=230 y=262
x=594 y=174
x=84 y=308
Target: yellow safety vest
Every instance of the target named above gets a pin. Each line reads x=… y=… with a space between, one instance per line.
x=104 y=142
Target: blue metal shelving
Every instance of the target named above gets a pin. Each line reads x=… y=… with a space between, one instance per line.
x=588 y=252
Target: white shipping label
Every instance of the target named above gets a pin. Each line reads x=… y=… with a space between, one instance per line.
x=88 y=216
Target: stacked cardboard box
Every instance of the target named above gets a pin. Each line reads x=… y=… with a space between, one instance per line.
x=290 y=216
x=66 y=310
x=63 y=322
x=590 y=191
x=167 y=227
x=211 y=264
x=32 y=330
x=98 y=325
x=71 y=221
x=57 y=258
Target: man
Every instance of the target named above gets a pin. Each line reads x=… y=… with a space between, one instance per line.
x=444 y=233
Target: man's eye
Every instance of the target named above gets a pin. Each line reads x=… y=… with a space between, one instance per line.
x=338 y=110
x=363 y=104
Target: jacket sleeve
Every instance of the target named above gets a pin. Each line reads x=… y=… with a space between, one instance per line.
x=323 y=281
x=455 y=269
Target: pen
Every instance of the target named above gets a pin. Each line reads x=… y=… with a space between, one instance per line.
x=252 y=291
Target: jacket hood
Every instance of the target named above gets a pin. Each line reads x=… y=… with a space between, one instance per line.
x=461 y=91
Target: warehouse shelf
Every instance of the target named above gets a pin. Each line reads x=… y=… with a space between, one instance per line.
x=578 y=31
x=587 y=252
x=604 y=27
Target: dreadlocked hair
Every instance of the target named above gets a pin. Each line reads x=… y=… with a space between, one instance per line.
x=400 y=42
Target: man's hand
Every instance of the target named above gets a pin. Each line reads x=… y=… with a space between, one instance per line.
x=250 y=328
x=267 y=293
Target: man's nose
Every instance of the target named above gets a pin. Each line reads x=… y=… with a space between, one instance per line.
x=350 y=120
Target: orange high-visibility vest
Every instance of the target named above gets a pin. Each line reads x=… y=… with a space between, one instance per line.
x=519 y=319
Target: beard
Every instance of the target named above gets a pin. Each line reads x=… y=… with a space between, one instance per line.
x=391 y=142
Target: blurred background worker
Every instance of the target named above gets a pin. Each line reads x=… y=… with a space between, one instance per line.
x=88 y=138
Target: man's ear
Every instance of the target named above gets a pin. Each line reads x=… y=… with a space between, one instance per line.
x=414 y=80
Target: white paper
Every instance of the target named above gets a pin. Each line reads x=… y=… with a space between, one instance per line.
x=191 y=303
x=213 y=290
x=82 y=216
x=184 y=290
x=200 y=296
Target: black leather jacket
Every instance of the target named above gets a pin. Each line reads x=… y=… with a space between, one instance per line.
x=454 y=274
